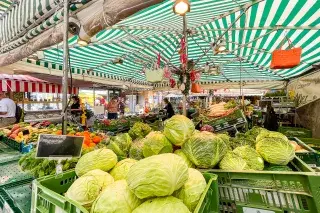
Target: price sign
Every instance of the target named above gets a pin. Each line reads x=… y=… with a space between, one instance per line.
x=59 y=146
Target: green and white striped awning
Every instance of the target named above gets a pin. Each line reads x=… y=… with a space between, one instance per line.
x=22 y=20
x=4 y=5
x=157 y=29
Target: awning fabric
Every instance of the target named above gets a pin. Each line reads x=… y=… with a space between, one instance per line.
x=25 y=83
x=258 y=32
x=21 y=21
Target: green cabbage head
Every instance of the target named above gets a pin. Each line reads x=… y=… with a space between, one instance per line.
x=120 y=144
x=232 y=161
x=251 y=156
x=136 y=149
x=162 y=205
x=178 y=129
x=139 y=130
x=255 y=131
x=104 y=178
x=270 y=134
x=116 y=198
x=120 y=171
x=156 y=143
x=84 y=190
x=184 y=157
x=204 y=149
x=104 y=159
x=275 y=150
x=191 y=191
x=158 y=175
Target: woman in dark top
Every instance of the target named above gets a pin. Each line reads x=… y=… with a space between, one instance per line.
x=271 y=122
x=168 y=108
x=75 y=106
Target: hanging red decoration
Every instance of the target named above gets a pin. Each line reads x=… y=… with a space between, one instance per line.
x=198 y=76
x=172 y=82
x=182 y=52
x=157 y=65
x=192 y=75
x=167 y=73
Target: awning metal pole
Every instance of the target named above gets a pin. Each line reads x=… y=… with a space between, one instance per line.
x=65 y=66
x=185 y=34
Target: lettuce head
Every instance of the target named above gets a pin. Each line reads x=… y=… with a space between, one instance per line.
x=158 y=175
x=168 y=204
x=192 y=190
x=121 y=169
x=204 y=149
x=156 y=143
x=178 y=129
x=104 y=159
x=116 y=198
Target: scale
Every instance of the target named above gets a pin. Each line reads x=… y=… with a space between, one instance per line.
x=161 y=115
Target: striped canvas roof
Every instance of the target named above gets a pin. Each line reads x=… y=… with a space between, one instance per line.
x=258 y=32
x=4 y=5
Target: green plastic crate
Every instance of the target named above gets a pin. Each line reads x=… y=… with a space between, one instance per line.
x=312 y=158
x=10 y=172
x=295 y=132
x=16 y=197
x=314 y=143
x=11 y=143
x=47 y=195
x=7 y=153
x=269 y=191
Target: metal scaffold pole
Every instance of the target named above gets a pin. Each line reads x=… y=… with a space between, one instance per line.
x=65 y=67
x=185 y=34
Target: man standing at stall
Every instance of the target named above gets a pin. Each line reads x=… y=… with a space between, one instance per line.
x=7 y=111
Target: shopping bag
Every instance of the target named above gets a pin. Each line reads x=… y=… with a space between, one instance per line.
x=284 y=59
x=154 y=75
x=195 y=88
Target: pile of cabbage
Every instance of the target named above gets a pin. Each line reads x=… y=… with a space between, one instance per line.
x=158 y=172
x=159 y=183
x=257 y=149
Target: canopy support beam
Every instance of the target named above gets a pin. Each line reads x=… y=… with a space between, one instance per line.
x=136 y=51
x=214 y=44
x=263 y=28
x=147 y=47
x=113 y=12
x=65 y=66
x=244 y=8
x=185 y=34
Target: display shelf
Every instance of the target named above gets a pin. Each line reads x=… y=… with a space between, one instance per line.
x=39 y=102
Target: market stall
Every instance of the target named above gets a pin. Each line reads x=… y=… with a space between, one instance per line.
x=212 y=161
x=38 y=98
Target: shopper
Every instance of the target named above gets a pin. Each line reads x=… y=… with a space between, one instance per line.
x=121 y=106
x=113 y=107
x=168 y=108
x=7 y=111
x=271 y=121
x=75 y=106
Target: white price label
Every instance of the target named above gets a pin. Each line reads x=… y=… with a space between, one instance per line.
x=253 y=210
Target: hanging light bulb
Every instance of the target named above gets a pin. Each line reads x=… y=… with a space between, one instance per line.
x=82 y=42
x=83 y=38
x=222 y=46
x=181 y=7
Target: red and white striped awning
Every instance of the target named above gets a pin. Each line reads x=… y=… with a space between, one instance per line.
x=25 y=83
